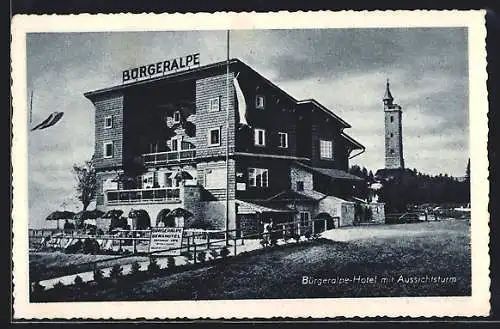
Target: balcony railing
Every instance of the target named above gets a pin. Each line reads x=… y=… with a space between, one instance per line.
x=151 y=195
x=163 y=158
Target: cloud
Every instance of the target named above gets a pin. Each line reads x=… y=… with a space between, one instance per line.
x=344 y=69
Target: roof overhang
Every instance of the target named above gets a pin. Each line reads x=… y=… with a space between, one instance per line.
x=318 y=105
x=331 y=172
x=355 y=144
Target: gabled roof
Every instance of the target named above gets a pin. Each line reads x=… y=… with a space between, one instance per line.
x=245 y=207
x=330 y=172
x=357 y=145
x=290 y=195
x=318 y=105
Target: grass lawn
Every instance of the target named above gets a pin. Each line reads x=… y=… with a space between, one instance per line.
x=46 y=265
x=405 y=253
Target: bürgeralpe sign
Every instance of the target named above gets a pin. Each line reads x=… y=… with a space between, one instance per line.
x=161 y=68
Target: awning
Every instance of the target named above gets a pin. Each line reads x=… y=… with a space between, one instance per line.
x=245 y=207
x=330 y=172
x=290 y=195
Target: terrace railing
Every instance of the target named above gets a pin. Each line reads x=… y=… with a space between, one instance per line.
x=149 y=195
x=164 y=158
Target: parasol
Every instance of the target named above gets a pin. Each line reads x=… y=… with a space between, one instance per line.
x=57 y=215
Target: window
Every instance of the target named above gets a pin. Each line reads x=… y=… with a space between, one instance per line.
x=214 y=137
x=177 y=116
x=175 y=144
x=258 y=177
x=108 y=149
x=283 y=140
x=260 y=102
x=392 y=118
x=108 y=122
x=215 y=178
x=392 y=135
x=305 y=217
x=392 y=151
x=260 y=137
x=300 y=186
x=214 y=104
x=325 y=149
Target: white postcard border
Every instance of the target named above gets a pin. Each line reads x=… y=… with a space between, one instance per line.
x=475 y=305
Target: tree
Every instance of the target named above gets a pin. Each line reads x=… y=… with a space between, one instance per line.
x=467 y=171
x=86 y=182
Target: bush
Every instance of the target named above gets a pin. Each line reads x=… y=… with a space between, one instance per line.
x=201 y=256
x=74 y=248
x=78 y=280
x=170 y=262
x=153 y=266
x=90 y=246
x=59 y=285
x=188 y=255
x=224 y=252
x=98 y=275
x=38 y=288
x=116 y=271
x=136 y=268
x=214 y=253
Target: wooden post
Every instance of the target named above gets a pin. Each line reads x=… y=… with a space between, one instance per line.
x=312 y=228
x=194 y=250
x=325 y=224
x=208 y=240
x=188 y=246
x=242 y=238
x=234 y=242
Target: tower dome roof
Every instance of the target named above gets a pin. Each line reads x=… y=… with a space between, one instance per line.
x=388 y=95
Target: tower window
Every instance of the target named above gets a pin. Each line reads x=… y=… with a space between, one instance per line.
x=108 y=122
x=108 y=149
x=392 y=151
x=214 y=137
x=392 y=118
x=214 y=104
x=300 y=185
x=392 y=135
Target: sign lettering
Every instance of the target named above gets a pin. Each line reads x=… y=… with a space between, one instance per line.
x=160 y=68
x=164 y=238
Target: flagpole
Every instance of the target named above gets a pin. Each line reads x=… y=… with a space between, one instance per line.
x=31 y=107
x=227 y=140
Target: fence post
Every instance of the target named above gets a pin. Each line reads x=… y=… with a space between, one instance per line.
x=298 y=229
x=325 y=225
x=188 y=244
x=208 y=241
x=234 y=242
x=194 y=251
x=312 y=227
x=242 y=238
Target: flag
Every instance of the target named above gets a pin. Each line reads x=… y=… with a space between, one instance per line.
x=242 y=104
x=52 y=119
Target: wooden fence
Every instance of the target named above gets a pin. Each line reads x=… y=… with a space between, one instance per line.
x=193 y=241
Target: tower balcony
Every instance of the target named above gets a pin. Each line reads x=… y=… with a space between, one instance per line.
x=170 y=157
x=148 y=195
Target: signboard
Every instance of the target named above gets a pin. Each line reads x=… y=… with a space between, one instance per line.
x=241 y=186
x=161 y=68
x=163 y=238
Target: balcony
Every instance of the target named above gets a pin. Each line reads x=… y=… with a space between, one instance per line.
x=171 y=157
x=150 y=195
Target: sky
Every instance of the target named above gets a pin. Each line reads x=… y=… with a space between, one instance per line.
x=344 y=69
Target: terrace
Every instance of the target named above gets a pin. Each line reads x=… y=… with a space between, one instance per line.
x=169 y=157
x=149 y=195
